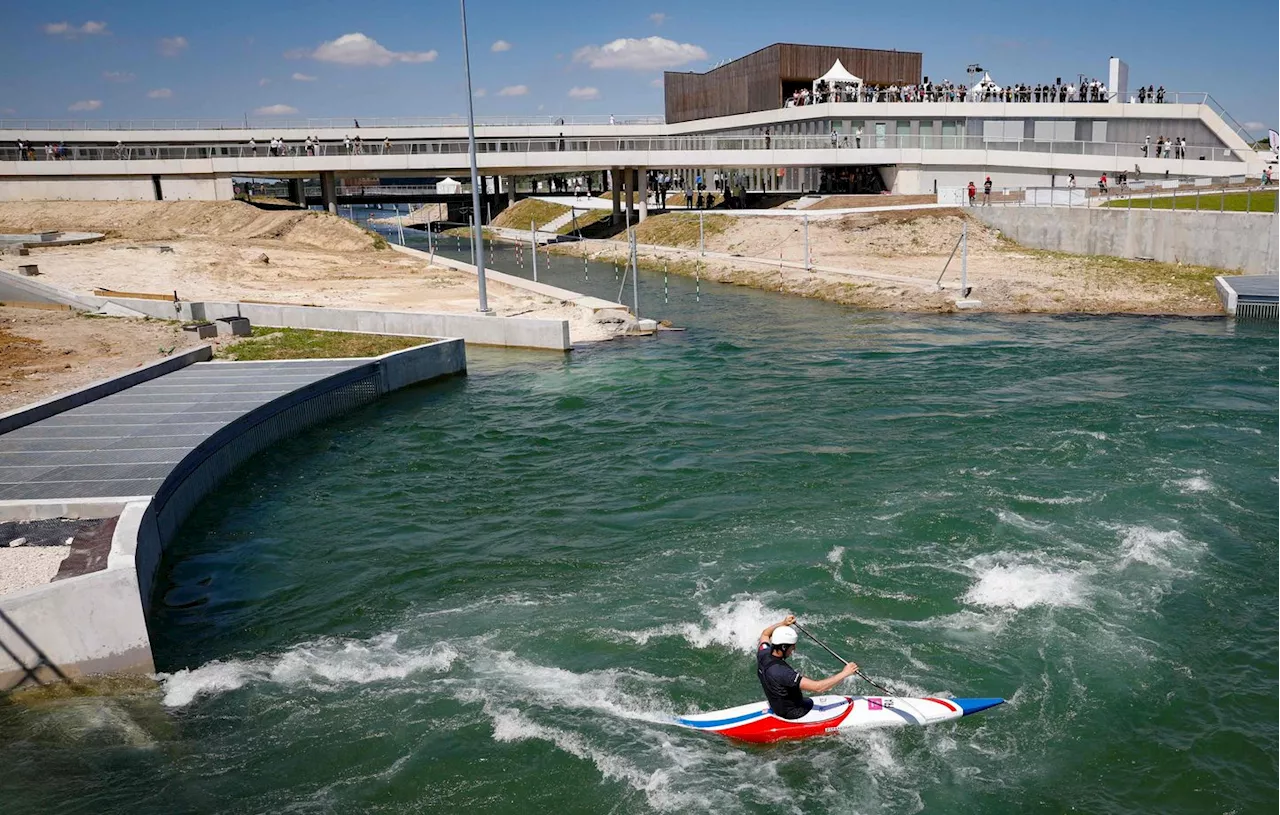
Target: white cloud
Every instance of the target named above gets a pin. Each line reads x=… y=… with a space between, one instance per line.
x=119 y=76
x=640 y=55
x=658 y=18
x=64 y=29
x=301 y=77
x=86 y=104
x=658 y=82
x=159 y=93
x=357 y=49
x=264 y=82
x=480 y=92
x=274 y=110
x=1255 y=126
x=500 y=46
x=584 y=93
x=514 y=90
x=172 y=46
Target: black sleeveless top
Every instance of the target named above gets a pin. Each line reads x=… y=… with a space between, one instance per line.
x=781 y=684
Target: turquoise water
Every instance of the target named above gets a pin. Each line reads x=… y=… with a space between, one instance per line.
x=491 y=594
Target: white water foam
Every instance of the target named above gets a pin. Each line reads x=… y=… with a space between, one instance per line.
x=1169 y=551
x=325 y=663
x=1193 y=484
x=1012 y=518
x=1095 y=434
x=736 y=624
x=1035 y=499
x=1007 y=581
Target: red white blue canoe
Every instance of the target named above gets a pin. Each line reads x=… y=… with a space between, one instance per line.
x=756 y=723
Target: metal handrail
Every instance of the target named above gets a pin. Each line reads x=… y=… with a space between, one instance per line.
x=334 y=123
x=274 y=124
x=296 y=152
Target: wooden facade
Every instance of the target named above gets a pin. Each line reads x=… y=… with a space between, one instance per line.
x=761 y=80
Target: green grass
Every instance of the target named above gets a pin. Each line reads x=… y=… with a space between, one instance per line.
x=1256 y=201
x=521 y=213
x=679 y=228
x=584 y=220
x=297 y=343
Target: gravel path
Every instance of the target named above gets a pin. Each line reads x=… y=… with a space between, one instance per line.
x=25 y=566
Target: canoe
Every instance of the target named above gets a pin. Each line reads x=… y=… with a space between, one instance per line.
x=756 y=723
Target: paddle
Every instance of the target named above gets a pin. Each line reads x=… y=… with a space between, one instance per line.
x=859 y=672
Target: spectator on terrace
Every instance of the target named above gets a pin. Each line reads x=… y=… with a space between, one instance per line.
x=857 y=136
x=1160 y=95
x=986 y=192
x=973 y=193
x=386 y=145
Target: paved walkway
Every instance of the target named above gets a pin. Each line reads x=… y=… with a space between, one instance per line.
x=127 y=443
x=813 y=214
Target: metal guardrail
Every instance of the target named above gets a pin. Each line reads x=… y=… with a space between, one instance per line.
x=343 y=123
x=842 y=143
x=275 y=124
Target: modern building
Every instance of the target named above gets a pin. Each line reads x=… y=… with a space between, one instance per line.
x=763 y=79
x=876 y=125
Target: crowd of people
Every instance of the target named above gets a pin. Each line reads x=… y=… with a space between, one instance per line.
x=1092 y=90
x=1165 y=148
x=53 y=151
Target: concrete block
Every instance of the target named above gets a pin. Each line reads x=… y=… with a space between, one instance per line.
x=46 y=237
x=29 y=270
x=233 y=327
x=202 y=330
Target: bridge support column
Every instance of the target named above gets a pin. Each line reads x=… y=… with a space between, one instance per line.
x=628 y=194
x=511 y=189
x=297 y=191
x=642 y=188
x=616 y=191
x=329 y=191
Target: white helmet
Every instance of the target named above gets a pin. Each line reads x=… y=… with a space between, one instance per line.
x=785 y=635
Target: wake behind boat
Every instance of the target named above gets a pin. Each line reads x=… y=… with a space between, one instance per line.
x=757 y=723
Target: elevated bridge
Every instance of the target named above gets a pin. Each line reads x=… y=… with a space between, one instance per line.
x=916 y=146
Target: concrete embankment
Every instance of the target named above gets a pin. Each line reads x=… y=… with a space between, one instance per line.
x=146 y=454
x=1223 y=240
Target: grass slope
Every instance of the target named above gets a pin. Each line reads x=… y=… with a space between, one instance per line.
x=1255 y=201
x=297 y=343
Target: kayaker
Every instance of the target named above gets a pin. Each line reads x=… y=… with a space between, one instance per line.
x=784 y=687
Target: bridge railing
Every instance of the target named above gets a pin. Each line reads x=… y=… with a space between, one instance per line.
x=275 y=123
x=840 y=143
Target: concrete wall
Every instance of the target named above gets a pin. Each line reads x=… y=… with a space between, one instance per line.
x=115 y=187
x=96 y=623
x=518 y=332
x=1223 y=240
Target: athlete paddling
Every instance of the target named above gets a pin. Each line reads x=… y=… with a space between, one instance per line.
x=783 y=686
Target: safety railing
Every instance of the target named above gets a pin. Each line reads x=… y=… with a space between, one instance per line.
x=1222 y=194
x=839 y=143
x=274 y=124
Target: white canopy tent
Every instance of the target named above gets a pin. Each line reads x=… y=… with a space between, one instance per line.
x=841 y=84
x=984 y=88
x=448 y=186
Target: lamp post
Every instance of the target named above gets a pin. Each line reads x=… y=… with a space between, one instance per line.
x=477 y=236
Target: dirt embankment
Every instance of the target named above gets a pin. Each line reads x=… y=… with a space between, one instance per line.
x=231 y=250
x=43 y=353
x=168 y=220
x=915 y=245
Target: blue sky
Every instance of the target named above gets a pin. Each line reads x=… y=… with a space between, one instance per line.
x=144 y=59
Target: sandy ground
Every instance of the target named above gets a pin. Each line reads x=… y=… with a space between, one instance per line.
x=915 y=244
x=213 y=250
x=44 y=353
x=27 y=566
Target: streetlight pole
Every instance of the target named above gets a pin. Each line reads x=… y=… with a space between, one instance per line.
x=477 y=234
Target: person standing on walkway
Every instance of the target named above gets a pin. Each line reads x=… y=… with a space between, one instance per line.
x=857 y=137
x=835 y=137
x=1146 y=147
x=973 y=193
x=1102 y=184
x=986 y=192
